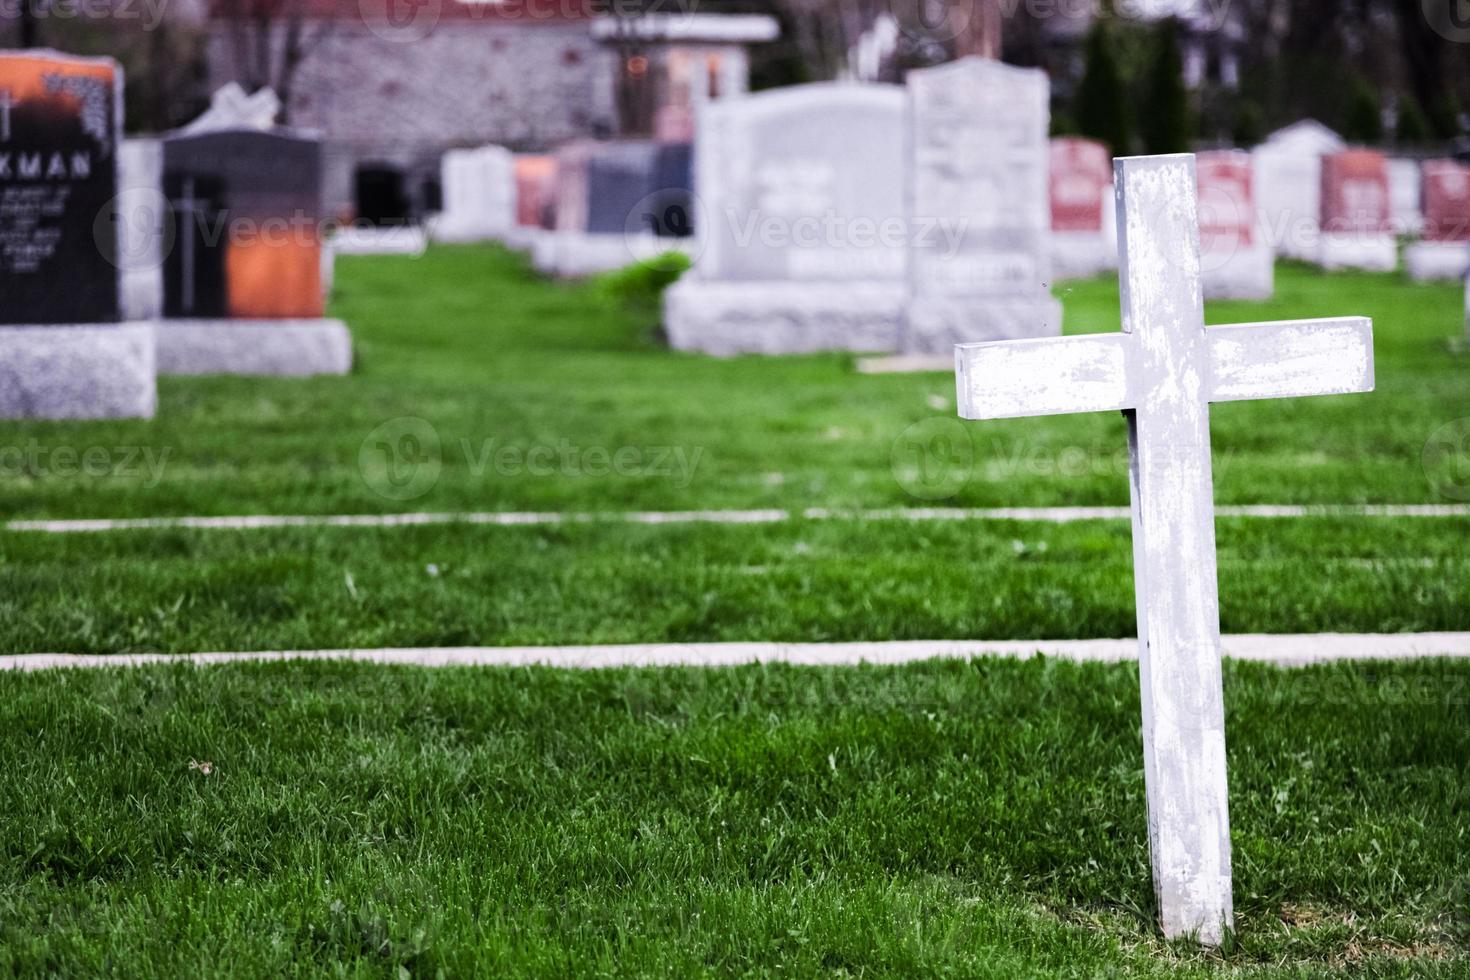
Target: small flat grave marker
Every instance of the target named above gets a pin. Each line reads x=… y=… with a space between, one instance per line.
x=1162 y=371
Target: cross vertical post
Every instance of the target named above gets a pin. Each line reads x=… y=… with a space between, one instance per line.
x=1174 y=546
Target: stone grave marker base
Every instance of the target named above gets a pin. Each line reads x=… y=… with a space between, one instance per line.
x=575 y=254
x=82 y=371
x=934 y=324
x=1437 y=260
x=782 y=317
x=287 y=348
x=1372 y=253
x=404 y=240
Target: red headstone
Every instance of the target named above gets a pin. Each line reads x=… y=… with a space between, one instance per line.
x=1446 y=201
x=535 y=190
x=1080 y=172
x=1226 y=202
x=1355 y=192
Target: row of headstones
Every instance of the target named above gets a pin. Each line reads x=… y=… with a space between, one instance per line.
x=119 y=260
x=984 y=212
x=1342 y=208
x=589 y=207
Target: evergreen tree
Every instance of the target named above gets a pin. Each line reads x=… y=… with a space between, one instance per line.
x=1413 y=124
x=1165 y=126
x=1101 y=109
x=1250 y=124
x=1364 y=122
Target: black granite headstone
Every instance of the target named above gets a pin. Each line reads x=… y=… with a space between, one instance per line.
x=625 y=179
x=59 y=121
x=247 y=211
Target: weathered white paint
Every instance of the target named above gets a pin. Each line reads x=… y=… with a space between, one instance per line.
x=1047 y=515
x=1282 y=650
x=1282 y=360
x=1043 y=376
x=1163 y=372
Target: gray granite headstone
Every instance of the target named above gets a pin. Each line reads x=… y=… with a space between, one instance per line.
x=625 y=178
x=979 y=220
x=802 y=184
x=801 y=236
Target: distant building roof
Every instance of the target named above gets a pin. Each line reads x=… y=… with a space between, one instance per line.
x=691 y=28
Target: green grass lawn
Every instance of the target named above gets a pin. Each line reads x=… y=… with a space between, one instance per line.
x=976 y=819
x=519 y=379
x=968 y=819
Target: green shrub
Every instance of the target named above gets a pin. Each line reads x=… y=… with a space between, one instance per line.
x=1102 y=109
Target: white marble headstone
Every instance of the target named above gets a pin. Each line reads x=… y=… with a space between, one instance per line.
x=800 y=230
x=479 y=188
x=803 y=184
x=1289 y=184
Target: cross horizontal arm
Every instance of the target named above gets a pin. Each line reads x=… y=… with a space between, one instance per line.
x=1288 y=359
x=1047 y=376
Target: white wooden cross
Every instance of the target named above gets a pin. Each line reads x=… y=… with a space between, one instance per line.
x=1162 y=372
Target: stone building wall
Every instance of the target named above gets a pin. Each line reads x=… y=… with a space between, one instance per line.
x=379 y=101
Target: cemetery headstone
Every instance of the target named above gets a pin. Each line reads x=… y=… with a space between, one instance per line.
x=1235 y=260
x=1405 y=204
x=1445 y=251
x=621 y=177
x=63 y=351
x=1357 y=227
x=247 y=208
x=1080 y=186
x=142 y=215
x=243 y=279
x=1162 y=372
x=803 y=241
x=1289 y=185
x=535 y=186
x=479 y=195
x=617 y=203
x=979 y=223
